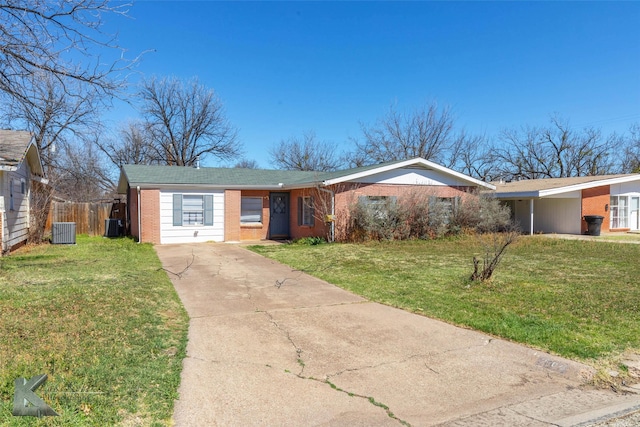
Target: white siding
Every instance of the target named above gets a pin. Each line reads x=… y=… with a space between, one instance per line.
x=561 y=216
x=190 y=234
x=411 y=176
x=16 y=216
x=627 y=188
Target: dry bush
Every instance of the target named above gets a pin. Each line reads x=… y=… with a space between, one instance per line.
x=422 y=215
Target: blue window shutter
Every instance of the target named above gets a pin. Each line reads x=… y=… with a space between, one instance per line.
x=177 y=210
x=312 y=208
x=299 y=210
x=364 y=200
x=393 y=200
x=208 y=209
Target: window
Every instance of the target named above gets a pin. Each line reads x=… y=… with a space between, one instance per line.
x=251 y=210
x=23 y=186
x=306 y=211
x=619 y=211
x=378 y=205
x=447 y=204
x=192 y=209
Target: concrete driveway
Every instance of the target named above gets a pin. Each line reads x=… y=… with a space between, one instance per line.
x=274 y=347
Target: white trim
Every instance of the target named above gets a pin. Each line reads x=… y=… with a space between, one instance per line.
x=567 y=188
x=403 y=164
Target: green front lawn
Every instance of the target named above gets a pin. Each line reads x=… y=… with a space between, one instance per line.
x=578 y=299
x=103 y=321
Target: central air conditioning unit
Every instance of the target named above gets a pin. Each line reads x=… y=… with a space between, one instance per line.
x=63 y=233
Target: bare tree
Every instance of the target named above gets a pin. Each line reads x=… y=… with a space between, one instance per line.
x=631 y=157
x=305 y=153
x=247 y=164
x=44 y=107
x=555 y=151
x=186 y=121
x=472 y=155
x=427 y=132
x=59 y=38
x=132 y=146
x=81 y=174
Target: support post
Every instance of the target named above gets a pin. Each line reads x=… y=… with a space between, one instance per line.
x=531 y=217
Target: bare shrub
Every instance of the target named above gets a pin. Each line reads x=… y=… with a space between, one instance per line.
x=494 y=246
x=482 y=213
x=423 y=215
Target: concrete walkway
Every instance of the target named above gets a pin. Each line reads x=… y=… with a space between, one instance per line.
x=270 y=346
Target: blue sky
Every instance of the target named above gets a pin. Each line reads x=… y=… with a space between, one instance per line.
x=283 y=68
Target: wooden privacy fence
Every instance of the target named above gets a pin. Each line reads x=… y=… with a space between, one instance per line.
x=89 y=217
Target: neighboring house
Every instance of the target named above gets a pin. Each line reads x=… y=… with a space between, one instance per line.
x=558 y=205
x=20 y=165
x=172 y=204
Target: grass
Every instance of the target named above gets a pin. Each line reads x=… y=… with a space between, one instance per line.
x=103 y=322
x=578 y=299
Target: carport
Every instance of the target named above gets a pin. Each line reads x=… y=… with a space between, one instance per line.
x=558 y=205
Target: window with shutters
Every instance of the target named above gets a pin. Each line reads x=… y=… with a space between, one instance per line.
x=192 y=209
x=306 y=211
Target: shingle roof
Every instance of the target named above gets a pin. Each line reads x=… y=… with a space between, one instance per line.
x=134 y=175
x=225 y=177
x=178 y=175
x=538 y=187
x=13 y=146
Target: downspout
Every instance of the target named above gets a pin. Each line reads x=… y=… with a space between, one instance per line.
x=139 y=215
x=332 y=230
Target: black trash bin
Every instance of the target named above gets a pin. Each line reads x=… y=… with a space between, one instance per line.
x=594 y=223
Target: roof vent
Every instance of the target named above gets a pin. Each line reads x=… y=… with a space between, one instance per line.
x=197 y=162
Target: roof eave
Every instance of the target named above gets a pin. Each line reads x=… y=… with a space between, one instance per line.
x=591 y=184
x=519 y=195
x=147 y=185
x=405 y=163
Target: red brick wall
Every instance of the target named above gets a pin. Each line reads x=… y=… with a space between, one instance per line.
x=593 y=203
x=232 y=215
x=322 y=207
x=256 y=231
x=150 y=213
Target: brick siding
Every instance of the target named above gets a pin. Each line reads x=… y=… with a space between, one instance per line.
x=232 y=215
x=593 y=203
x=150 y=213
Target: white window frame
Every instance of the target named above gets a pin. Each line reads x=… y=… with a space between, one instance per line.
x=619 y=215
x=192 y=216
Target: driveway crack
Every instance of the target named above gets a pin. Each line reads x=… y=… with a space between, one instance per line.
x=370 y=399
x=287 y=335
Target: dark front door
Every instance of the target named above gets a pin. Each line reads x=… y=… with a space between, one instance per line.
x=279 y=220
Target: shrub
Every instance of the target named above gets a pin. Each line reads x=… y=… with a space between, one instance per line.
x=310 y=241
x=420 y=215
